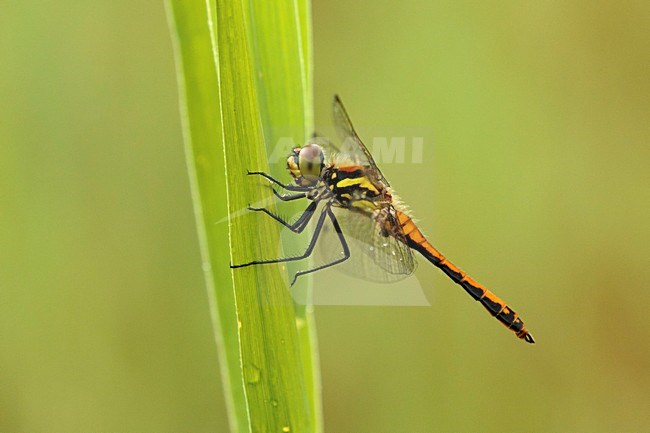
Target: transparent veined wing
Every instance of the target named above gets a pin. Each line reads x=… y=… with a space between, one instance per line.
x=373 y=256
x=351 y=145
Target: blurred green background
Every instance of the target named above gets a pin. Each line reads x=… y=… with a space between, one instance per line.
x=534 y=179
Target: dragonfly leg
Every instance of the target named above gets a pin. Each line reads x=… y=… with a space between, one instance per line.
x=299 y=225
x=344 y=244
x=308 y=251
x=288 y=187
x=288 y=197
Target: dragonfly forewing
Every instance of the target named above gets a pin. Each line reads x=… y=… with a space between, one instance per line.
x=351 y=145
x=378 y=257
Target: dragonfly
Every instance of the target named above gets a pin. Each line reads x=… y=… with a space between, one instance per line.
x=346 y=184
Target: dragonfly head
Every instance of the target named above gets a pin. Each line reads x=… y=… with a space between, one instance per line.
x=306 y=164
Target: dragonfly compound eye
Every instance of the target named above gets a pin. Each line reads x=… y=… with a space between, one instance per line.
x=311 y=160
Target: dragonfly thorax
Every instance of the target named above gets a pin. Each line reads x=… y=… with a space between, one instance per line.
x=306 y=164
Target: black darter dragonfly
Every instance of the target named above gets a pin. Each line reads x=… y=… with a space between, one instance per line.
x=349 y=180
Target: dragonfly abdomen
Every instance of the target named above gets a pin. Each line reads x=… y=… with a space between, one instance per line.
x=495 y=306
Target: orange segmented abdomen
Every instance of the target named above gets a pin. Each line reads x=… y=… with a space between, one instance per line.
x=497 y=307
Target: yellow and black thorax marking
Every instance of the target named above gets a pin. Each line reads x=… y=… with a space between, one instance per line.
x=353 y=189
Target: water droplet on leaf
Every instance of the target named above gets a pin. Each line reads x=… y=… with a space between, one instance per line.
x=252 y=373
